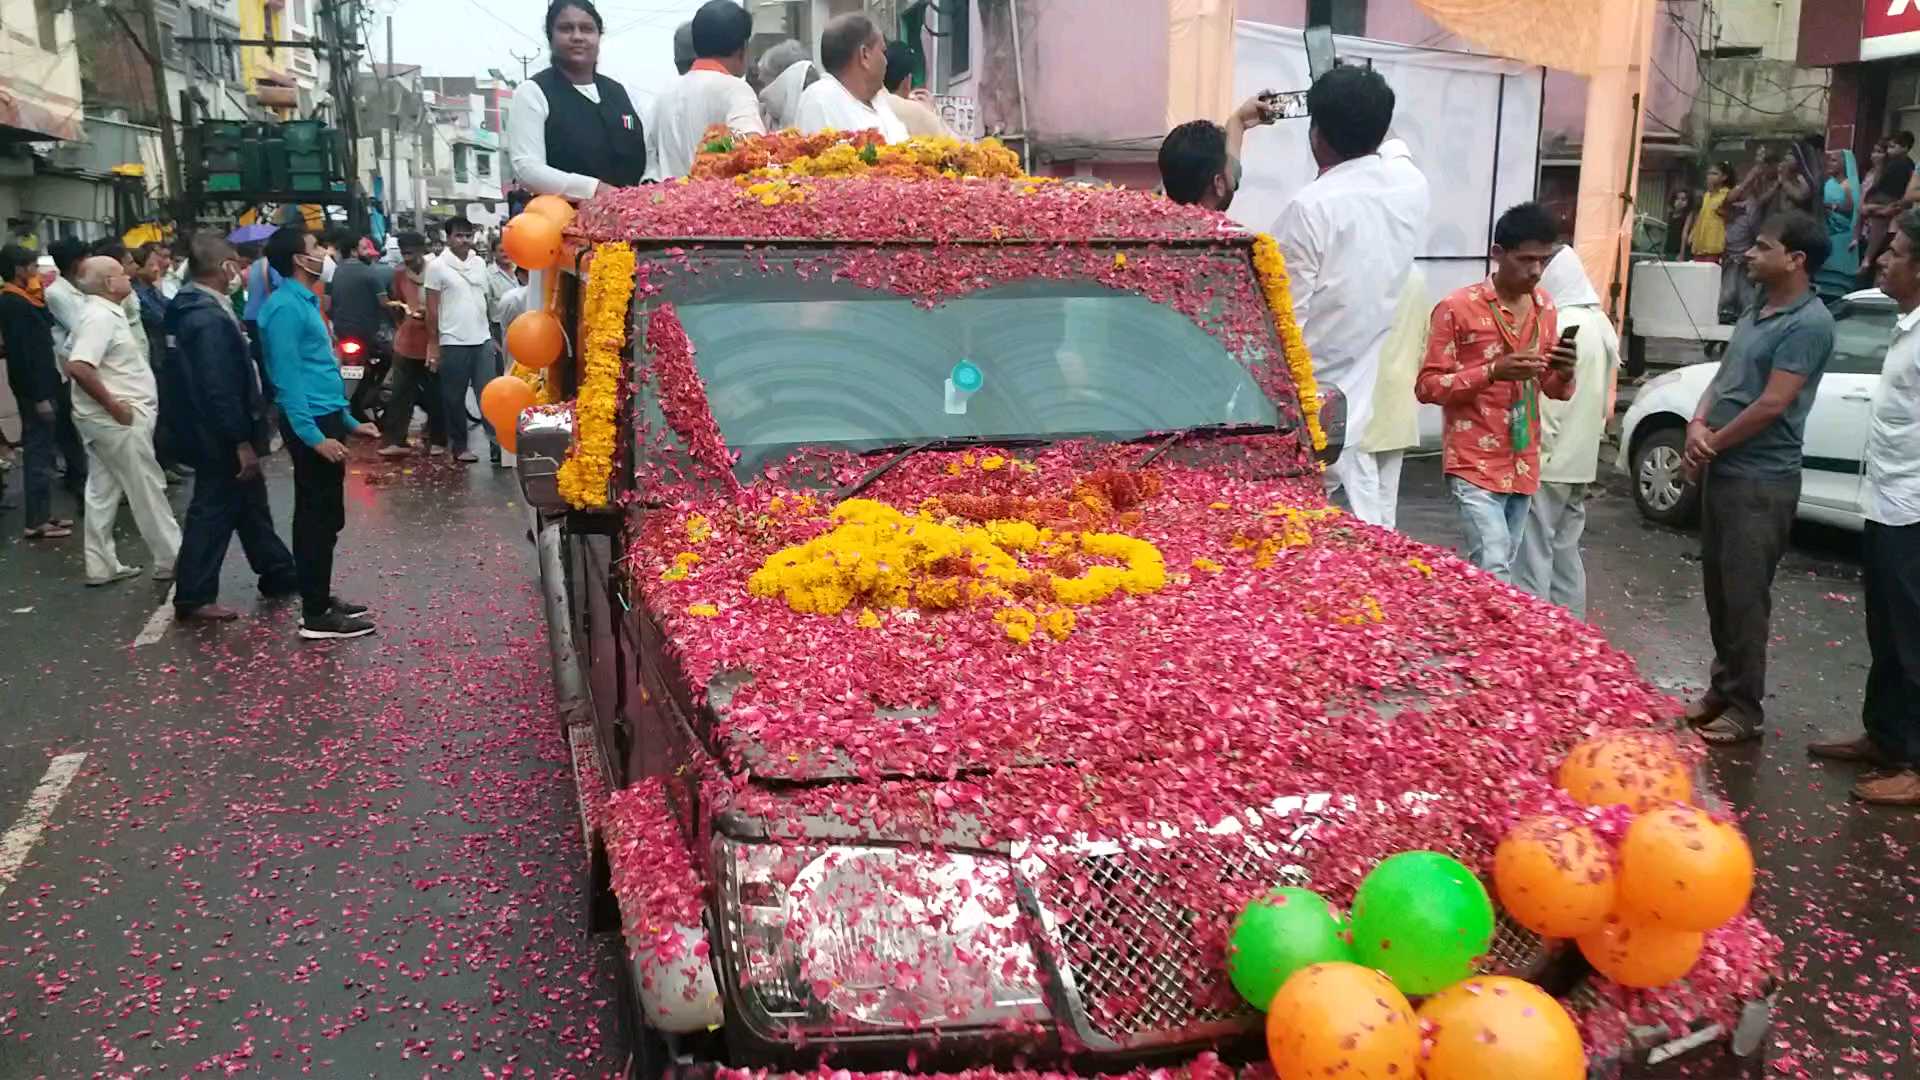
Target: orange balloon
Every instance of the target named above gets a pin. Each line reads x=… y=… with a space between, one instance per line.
x=501 y=402
x=1682 y=870
x=1493 y=1026
x=536 y=339
x=552 y=207
x=1554 y=877
x=1342 y=1020
x=532 y=241
x=1642 y=957
x=1640 y=768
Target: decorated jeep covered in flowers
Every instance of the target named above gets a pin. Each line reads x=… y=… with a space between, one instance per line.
x=953 y=634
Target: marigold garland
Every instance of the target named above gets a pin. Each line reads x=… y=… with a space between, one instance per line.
x=1271 y=265
x=886 y=560
x=582 y=478
x=784 y=155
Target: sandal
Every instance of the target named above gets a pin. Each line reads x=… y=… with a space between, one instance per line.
x=1724 y=730
x=48 y=531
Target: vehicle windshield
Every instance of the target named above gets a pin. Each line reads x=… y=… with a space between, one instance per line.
x=789 y=363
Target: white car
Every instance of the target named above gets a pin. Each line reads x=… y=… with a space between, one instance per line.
x=1655 y=429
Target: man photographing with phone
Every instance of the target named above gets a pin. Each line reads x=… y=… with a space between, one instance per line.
x=1492 y=349
x=1200 y=160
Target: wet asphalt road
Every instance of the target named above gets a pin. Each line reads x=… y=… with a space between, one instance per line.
x=362 y=859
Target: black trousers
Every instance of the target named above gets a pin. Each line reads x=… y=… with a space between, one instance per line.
x=222 y=505
x=413 y=384
x=319 y=512
x=1891 y=569
x=1744 y=525
x=367 y=390
x=67 y=438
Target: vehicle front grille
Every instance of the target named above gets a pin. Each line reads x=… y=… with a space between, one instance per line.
x=1133 y=957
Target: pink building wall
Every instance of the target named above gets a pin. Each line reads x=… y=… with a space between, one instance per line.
x=1097 y=82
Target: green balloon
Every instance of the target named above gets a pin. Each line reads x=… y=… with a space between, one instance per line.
x=1277 y=935
x=1423 y=919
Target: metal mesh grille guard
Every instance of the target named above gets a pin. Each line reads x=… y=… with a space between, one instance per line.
x=1127 y=953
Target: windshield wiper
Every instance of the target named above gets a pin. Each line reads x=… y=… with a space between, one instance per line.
x=956 y=442
x=1211 y=431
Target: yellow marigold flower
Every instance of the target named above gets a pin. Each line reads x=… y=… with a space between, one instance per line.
x=1059 y=623
x=1219 y=506
x=1420 y=565
x=868 y=620
x=1018 y=623
x=1120 y=261
x=698 y=528
x=582 y=478
x=1208 y=565
x=704 y=610
x=993 y=462
x=1271 y=267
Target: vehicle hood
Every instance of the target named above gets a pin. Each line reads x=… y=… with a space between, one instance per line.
x=1285 y=646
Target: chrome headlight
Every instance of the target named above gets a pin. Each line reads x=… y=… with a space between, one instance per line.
x=866 y=939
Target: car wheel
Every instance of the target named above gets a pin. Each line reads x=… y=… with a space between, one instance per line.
x=1660 y=487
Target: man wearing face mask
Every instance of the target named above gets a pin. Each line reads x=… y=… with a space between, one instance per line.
x=223 y=432
x=313 y=418
x=1200 y=160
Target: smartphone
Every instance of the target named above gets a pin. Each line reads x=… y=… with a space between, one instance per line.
x=1567 y=334
x=1290 y=105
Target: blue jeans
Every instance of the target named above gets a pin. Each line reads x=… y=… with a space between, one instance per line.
x=1494 y=523
x=37 y=438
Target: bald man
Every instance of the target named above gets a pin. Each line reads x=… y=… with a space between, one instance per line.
x=115 y=406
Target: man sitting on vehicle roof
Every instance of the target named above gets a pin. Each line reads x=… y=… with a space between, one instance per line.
x=1200 y=160
x=851 y=97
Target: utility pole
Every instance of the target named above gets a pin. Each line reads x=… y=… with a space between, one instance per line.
x=524 y=61
x=150 y=49
x=393 y=134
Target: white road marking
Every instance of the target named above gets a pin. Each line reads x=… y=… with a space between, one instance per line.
x=157 y=622
x=26 y=832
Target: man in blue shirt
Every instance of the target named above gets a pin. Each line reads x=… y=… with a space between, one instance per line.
x=313 y=418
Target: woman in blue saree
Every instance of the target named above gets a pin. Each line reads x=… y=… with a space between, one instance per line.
x=1840 y=200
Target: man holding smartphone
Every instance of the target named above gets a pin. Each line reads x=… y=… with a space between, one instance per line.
x=1492 y=348
x=1745 y=446
x=1200 y=160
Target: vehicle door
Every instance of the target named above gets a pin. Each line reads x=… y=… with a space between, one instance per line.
x=1837 y=427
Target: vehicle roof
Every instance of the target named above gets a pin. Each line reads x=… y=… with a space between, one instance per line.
x=881 y=210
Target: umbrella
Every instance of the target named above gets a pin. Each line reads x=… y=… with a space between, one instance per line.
x=251 y=234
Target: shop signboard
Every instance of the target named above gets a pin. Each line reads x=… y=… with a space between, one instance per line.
x=1890 y=28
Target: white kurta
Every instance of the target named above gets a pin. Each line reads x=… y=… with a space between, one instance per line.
x=828 y=106
x=695 y=102
x=1350 y=238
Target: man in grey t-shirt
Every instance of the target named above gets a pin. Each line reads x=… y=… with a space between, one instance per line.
x=1745 y=445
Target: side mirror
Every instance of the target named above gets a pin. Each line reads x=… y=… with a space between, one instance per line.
x=545 y=435
x=1333 y=421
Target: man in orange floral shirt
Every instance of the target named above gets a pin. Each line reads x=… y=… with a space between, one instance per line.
x=1492 y=349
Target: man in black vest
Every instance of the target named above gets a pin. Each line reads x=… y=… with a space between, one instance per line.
x=570 y=129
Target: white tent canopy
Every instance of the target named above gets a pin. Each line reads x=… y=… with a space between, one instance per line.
x=1473 y=123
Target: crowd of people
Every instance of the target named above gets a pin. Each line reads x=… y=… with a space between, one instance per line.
x=571 y=129
x=145 y=367
x=1523 y=366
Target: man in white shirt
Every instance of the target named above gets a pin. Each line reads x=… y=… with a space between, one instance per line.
x=913 y=107
x=851 y=95
x=116 y=405
x=66 y=304
x=712 y=91
x=1350 y=238
x=1890 y=550
x=459 y=346
x=1549 y=563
